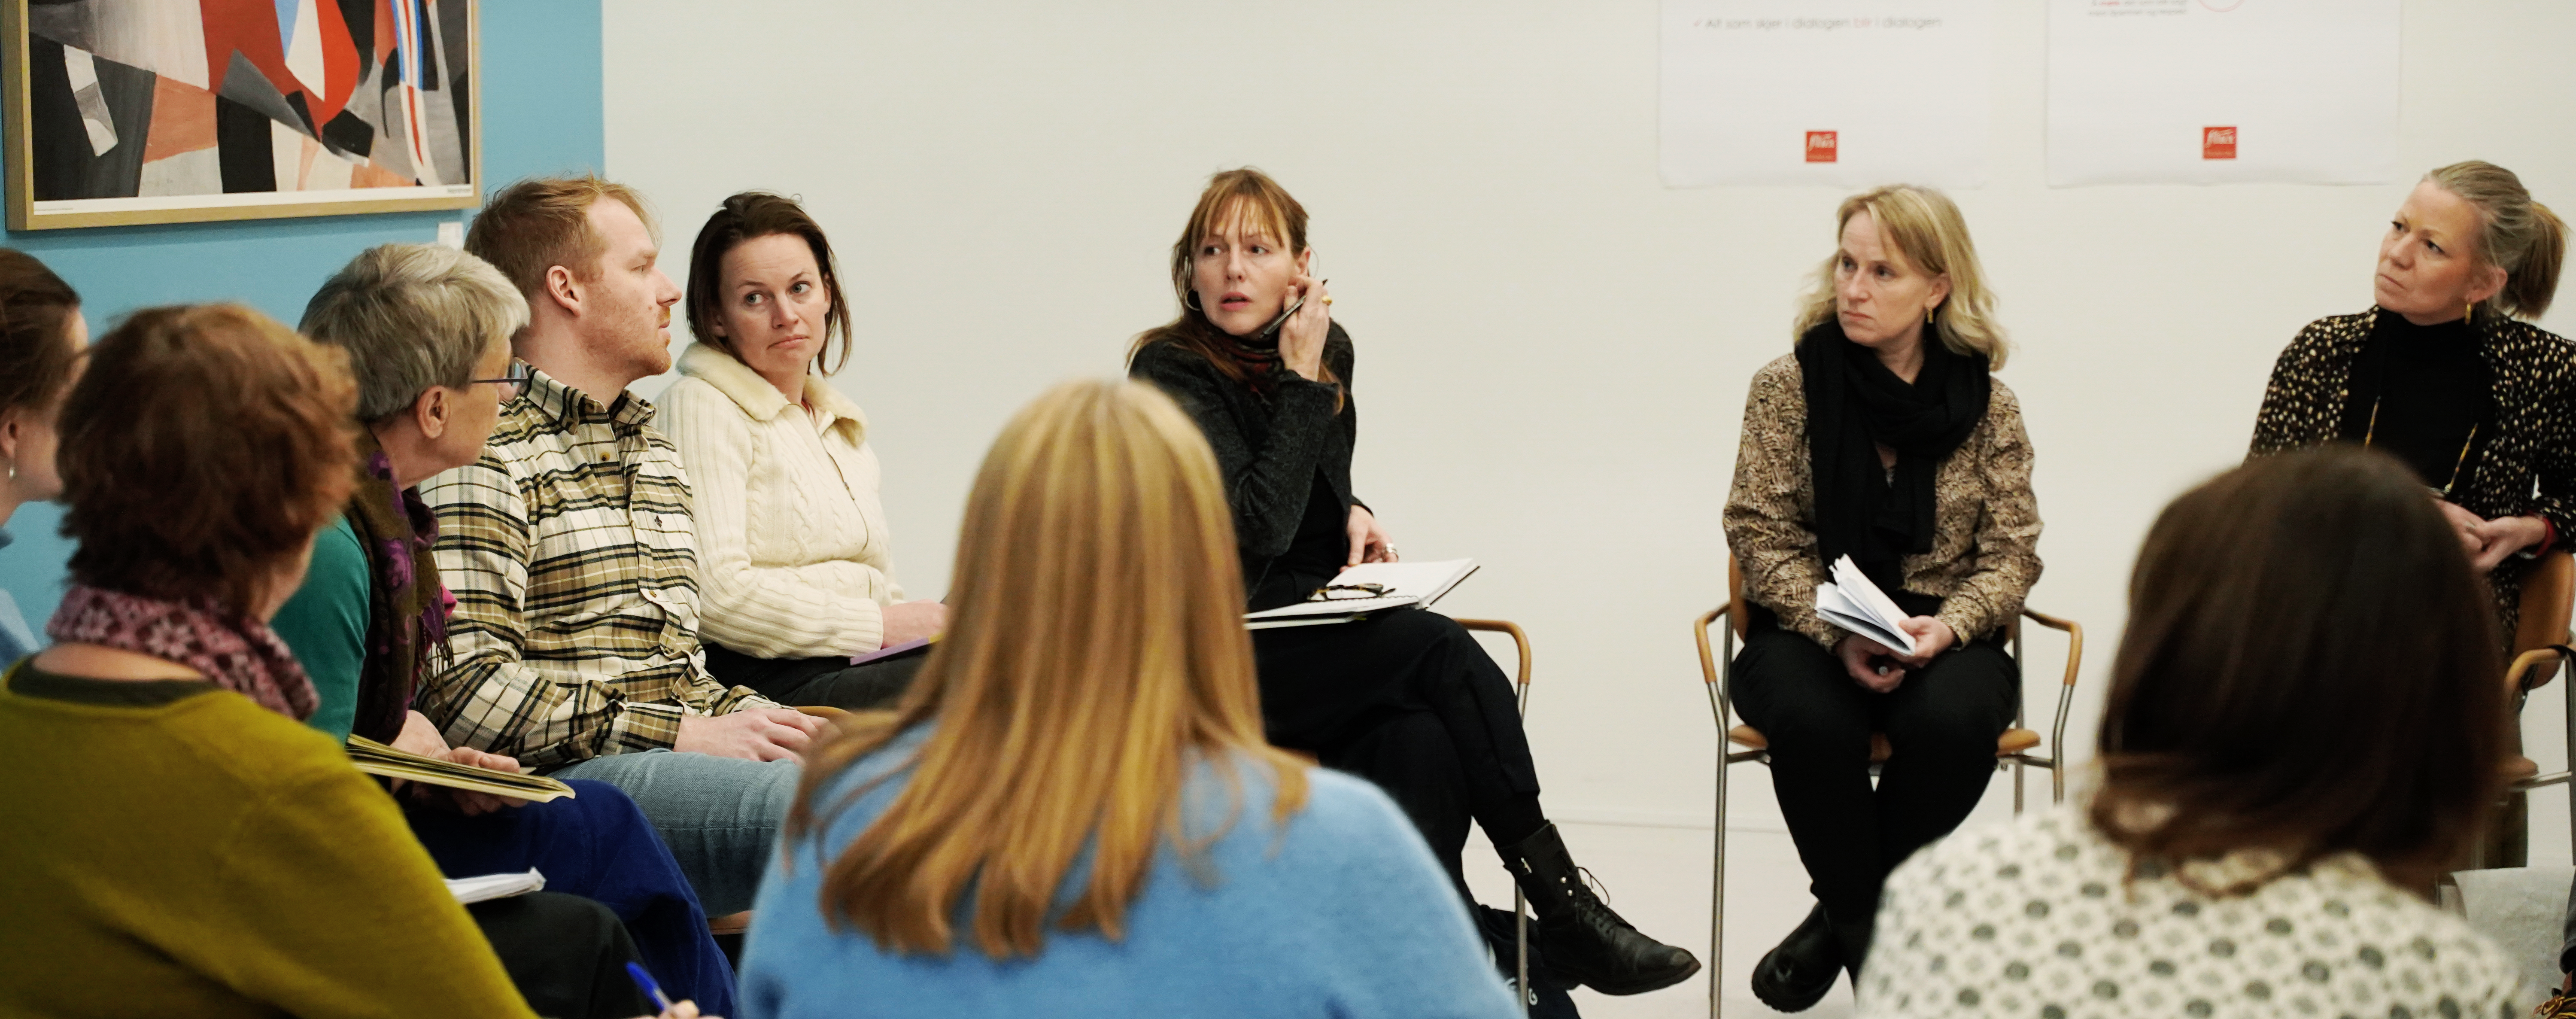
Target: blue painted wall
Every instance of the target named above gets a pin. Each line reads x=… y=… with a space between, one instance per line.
x=542 y=114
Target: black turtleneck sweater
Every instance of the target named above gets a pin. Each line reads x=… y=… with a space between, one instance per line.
x=2429 y=386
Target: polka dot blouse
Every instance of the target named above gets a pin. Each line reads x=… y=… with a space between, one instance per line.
x=2032 y=919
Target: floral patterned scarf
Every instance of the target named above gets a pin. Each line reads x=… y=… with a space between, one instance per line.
x=236 y=652
x=406 y=605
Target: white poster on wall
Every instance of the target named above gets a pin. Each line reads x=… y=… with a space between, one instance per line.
x=1850 y=93
x=2222 y=91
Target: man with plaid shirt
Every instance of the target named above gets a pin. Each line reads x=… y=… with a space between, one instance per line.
x=574 y=641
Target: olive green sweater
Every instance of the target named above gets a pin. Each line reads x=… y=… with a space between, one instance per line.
x=201 y=856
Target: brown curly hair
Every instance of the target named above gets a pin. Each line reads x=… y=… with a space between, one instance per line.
x=203 y=447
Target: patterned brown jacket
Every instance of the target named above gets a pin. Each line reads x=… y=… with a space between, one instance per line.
x=1985 y=545
x=2528 y=466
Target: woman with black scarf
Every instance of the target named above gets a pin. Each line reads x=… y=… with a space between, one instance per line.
x=1882 y=438
x=2446 y=372
x=1405 y=699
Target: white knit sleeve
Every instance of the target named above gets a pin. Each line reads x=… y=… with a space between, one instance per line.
x=809 y=611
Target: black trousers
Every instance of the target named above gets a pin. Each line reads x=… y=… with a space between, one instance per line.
x=566 y=954
x=807 y=682
x=1941 y=725
x=1410 y=701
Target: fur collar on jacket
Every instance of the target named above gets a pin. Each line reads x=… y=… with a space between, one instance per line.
x=762 y=401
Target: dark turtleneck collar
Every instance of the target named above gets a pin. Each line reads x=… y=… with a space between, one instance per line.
x=2423 y=393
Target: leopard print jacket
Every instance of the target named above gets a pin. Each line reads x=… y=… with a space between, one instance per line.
x=2528 y=466
x=1985 y=544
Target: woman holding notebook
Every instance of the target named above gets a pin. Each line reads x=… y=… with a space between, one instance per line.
x=1405 y=698
x=427 y=329
x=1881 y=438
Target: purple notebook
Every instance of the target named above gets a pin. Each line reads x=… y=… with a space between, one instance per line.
x=895 y=651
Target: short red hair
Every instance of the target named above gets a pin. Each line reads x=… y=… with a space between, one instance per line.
x=204 y=447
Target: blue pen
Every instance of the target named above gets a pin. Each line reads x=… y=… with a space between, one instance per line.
x=644 y=982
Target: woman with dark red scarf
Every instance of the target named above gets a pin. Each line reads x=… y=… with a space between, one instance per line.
x=202 y=851
x=1405 y=699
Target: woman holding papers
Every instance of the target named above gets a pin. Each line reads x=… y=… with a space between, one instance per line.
x=793 y=552
x=189 y=847
x=427 y=329
x=1881 y=440
x=1406 y=697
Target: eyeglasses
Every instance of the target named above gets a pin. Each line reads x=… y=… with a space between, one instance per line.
x=1350 y=592
x=513 y=387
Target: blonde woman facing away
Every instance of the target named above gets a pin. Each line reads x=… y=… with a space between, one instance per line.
x=2304 y=730
x=1073 y=811
x=792 y=544
x=1883 y=438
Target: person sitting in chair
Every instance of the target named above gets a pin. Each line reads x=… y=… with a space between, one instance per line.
x=1883 y=438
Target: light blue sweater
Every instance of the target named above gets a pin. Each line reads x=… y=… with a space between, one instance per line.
x=1346 y=915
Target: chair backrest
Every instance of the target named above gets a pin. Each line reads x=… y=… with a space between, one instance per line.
x=1735 y=607
x=2548 y=596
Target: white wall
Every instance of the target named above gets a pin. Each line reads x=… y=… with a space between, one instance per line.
x=1553 y=346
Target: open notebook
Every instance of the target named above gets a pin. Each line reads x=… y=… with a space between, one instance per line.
x=1855 y=604
x=1407 y=585
x=378 y=759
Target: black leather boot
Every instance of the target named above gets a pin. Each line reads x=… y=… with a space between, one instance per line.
x=1796 y=973
x=1586 y=942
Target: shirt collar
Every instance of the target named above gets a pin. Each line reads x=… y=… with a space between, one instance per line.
x=567 y=407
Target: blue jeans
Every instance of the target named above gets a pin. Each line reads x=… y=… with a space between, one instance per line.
x=719 y=815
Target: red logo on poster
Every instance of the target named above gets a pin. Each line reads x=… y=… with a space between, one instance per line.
x=2217 y=143
x=1820 y=147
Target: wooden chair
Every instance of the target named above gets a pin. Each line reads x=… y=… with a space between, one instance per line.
x=1520 y=899
x=2548 y=596
x=1717 y=669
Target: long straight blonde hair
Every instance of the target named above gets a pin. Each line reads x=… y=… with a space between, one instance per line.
x=1926 y=226
x=1095 y=650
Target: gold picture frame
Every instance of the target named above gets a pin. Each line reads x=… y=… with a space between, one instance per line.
x=384 y=124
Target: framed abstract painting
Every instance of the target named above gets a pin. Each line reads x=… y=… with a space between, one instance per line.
x=173 y=111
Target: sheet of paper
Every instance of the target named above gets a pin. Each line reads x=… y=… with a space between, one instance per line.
x=495 y=886
x=1848 y=93
x=2222 y=91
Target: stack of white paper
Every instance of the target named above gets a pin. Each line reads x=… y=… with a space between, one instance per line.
x=1855 y=604
x=495 y=886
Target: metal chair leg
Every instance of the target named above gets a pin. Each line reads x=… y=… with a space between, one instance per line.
x=1717 y=857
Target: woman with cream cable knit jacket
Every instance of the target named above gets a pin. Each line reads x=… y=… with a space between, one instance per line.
x=791 y=537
